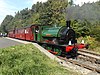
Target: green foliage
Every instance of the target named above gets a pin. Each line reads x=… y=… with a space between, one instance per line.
x=88 y=11
x=96 y=32
x=5 y=23
x=28 y=60
x=54 y=13
x=93 y=44
x=81 y=28
x=71 y=2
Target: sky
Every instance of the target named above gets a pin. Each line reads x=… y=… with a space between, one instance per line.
x=9 y=7
x=80 y=2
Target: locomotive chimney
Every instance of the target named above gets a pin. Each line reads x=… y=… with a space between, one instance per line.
x=68 y=23
x=68 y=16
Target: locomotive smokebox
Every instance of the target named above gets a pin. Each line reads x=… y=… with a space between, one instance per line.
x=68 y=23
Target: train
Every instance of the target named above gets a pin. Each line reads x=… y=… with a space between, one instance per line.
x=57 y=40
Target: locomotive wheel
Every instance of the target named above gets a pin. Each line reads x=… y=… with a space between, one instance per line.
x=46 y=47
x=74 y=52
x=58 y=50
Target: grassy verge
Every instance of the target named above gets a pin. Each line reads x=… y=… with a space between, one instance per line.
x=28 y=60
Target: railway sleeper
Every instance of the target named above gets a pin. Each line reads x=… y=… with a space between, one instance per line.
x=84 y=65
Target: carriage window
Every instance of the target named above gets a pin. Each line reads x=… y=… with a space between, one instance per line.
x=37 y=29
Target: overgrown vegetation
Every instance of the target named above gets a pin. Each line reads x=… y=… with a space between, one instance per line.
x=28 y=60
x=93 y=44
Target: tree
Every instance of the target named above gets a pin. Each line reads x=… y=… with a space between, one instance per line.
x=5 y=22
x=54 y=12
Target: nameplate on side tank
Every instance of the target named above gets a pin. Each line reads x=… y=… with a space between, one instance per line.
x=48 y=35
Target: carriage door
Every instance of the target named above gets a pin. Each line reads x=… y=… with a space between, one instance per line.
x=37 y=34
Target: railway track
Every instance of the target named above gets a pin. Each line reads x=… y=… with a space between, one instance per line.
x=86 y=59
x=90 y=52
x=90 y=56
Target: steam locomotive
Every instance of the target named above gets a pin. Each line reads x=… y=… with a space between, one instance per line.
x=57 y=40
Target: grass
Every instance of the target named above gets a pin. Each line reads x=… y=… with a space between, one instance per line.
x=28 y=60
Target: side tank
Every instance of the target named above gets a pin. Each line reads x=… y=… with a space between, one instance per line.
x=52 y=32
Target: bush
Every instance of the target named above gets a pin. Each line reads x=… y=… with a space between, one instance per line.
x=96 y=33
x=94 y=45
